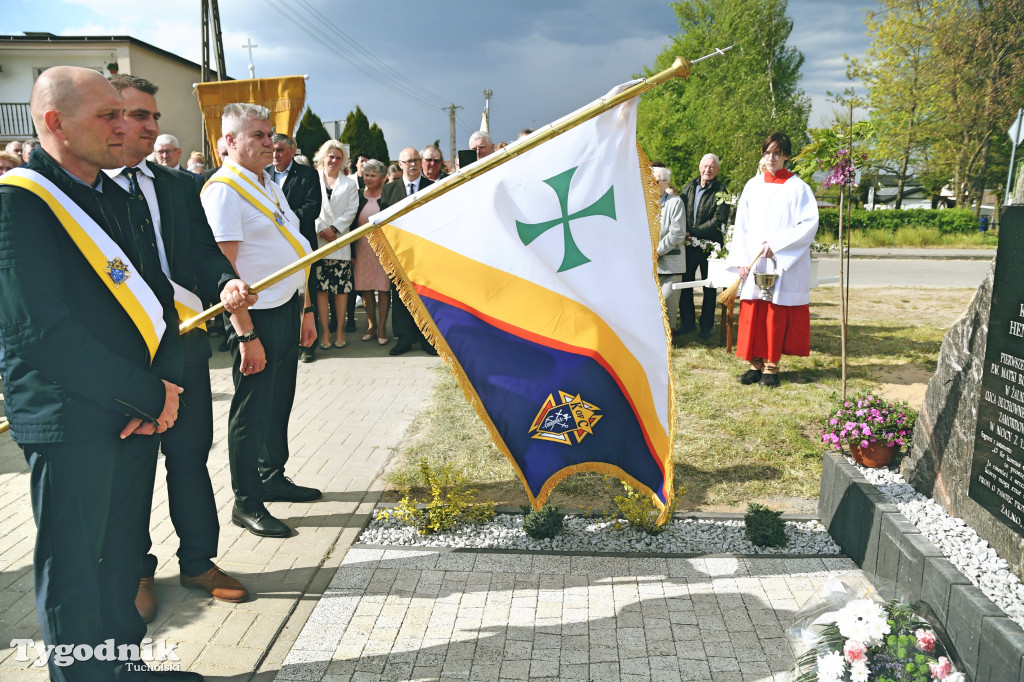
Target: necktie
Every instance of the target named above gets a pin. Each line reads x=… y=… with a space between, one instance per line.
x=412 y=189
x=139 y=205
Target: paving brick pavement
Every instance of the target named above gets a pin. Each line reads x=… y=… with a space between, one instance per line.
x=427 y=614
x=352 y=407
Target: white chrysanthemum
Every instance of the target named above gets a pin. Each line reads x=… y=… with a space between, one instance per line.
x=859 y=672
x=831 y=667
x=864 y=621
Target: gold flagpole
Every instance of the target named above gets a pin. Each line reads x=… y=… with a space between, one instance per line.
x=680 y=69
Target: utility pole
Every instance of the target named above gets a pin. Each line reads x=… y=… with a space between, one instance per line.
x=451 y=121
x=211 y=14
x=485 y=120
x=252 y=68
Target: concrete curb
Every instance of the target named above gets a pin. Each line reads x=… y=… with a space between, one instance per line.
x=885 y=545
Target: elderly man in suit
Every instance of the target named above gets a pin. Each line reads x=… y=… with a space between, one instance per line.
x=90 y=368
x=402 y=321
x=705 y=219
x=671 y=259
x=189 y=256
x=302 y=189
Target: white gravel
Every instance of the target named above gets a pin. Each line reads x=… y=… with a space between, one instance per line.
x=954 y=538
x=581 y=534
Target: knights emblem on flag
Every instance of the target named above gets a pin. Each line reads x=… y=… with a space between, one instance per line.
x=118 y=271
x=558 y=421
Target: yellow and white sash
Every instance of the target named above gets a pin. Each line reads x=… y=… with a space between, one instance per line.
x=186 y=303
x=103 y=254
x=268 y=206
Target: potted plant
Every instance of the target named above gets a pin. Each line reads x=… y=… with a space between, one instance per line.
x=874 y=428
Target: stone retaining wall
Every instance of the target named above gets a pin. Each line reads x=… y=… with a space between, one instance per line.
x=888 y=547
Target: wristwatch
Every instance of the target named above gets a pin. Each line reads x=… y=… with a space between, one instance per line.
x=250 y=335
x=307 y=309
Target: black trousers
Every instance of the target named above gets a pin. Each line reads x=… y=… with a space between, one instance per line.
x=88 y=499
x=402 y=322
x=696 y=260
x=258 y=424
x=191 y=503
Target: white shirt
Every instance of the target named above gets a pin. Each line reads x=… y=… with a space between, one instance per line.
x=280 y=176
x=415 y=184
x=337 y=211
x=144 y=176
x=262 y=249
x=786 y=217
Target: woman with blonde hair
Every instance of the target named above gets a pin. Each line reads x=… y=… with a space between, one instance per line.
x=338 y=208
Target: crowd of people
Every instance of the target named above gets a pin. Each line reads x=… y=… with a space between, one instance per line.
x=100 y=205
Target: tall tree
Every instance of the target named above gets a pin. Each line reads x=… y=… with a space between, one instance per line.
x=730 y=103
x=357 y=134
x=905 y=90
x=945 y=78
x=380 y=147
x=311 y=134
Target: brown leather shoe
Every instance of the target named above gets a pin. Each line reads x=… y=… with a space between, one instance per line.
x=219 y=584
x=145 y=600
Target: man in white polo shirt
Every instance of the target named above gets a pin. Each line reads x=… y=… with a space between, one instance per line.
x=259 y=234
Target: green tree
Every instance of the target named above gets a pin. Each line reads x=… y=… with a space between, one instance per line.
x=905 y=91
x=945 y=78
x=380 y=147
x=730 y=103
x=357 y=134
x=311 y=134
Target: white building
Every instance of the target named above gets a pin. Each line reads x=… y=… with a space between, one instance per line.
x=24 y=57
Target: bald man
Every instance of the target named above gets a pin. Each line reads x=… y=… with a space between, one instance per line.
x=90 y=359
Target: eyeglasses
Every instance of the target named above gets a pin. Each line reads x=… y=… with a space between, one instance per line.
x=411 y=162
x=431 y=160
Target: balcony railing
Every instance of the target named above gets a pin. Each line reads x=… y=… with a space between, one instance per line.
x=16 y=120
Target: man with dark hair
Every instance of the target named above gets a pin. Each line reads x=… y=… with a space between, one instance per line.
x=706 y=218
x=88 y=342
x=189 y=256
x=301 y=185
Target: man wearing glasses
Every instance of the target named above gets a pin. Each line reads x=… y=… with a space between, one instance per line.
x=433 y=163
x=401 y=320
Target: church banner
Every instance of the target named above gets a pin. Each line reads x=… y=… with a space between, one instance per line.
x=537 y=282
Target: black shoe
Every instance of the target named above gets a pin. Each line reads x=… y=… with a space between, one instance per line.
x=683 y=331
x=751 y=376
x=770 y=380
x=173 y=676
x=260 y=522
x=351 y=326
x=223 y=346
x=428 y=349
x=705 y=333
x=283 y=489
x=306 y=354
x=400 y=349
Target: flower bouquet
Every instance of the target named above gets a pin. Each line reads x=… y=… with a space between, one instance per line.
x=868 y=418
x=865 y=640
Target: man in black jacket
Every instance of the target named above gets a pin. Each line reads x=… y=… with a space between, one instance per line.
x=402 y=322
x=706 y=219
x=301 y=185
x=191 y=259
x=86 y=377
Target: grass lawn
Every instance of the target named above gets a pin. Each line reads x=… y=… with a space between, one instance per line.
x=734 y=444
x=919 y=238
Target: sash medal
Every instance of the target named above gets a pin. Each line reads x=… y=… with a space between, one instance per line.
x=103 y=254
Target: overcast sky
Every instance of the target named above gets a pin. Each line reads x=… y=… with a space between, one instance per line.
x=541 y=58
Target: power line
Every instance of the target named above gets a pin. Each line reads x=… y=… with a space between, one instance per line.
x=383 y=77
